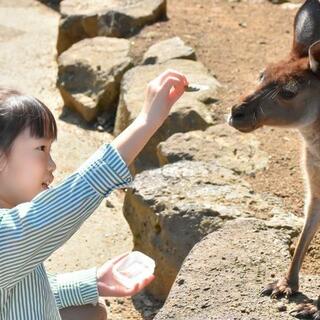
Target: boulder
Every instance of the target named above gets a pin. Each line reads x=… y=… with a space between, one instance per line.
x=278 y=1
x=219 y=143
x=290 y=6
x=191 y=112
x=168 y=49
x=51 y=3
x=90 y=73
x=223 y=274
x=82 y=19
x=170 y=209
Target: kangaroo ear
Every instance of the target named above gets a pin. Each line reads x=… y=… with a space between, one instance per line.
x=306 y=28
x=314 y=58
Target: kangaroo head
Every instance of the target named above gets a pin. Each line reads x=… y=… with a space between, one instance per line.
x=288 y=96
x=289 y=91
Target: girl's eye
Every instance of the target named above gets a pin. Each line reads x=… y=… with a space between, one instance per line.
x=42 y=148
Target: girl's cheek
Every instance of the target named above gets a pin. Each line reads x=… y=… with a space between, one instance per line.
x=38 y=160
x=33 y=170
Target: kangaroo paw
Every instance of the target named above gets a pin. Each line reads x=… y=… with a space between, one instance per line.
x=280 y=288
x=307 y=310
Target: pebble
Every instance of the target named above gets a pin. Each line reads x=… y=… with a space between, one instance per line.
x=282 y=307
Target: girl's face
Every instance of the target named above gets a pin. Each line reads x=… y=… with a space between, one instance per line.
x=26 y=171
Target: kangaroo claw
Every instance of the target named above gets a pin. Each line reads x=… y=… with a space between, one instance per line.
x=279 y=288
x=307 y=310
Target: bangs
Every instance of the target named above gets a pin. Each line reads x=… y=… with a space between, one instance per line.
x=29 y=112
x=19 y=112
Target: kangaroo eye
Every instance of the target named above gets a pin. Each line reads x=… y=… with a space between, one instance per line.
x=290 y=90
x=287 y=94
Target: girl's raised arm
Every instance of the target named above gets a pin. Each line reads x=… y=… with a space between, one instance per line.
x=162 y=93
x=32 y=231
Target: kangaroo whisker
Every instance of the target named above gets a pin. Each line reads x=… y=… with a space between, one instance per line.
x=260 y=107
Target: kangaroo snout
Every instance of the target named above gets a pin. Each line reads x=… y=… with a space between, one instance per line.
x=238 y=111
x=242 y=118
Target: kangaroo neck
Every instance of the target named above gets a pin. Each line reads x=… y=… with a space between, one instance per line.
x=311 y=136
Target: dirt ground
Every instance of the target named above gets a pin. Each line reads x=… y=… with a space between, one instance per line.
x=235 y=39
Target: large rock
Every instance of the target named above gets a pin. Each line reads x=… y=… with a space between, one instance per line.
x=221 y=143
x=170 y=209
x=223 y=274
x=82 y=19
x=191 y=112
x=168 y=49
x=51 y=2
x=90 y=73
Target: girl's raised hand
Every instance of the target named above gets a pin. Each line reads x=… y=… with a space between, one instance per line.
x=108 y=286
x=162 y=93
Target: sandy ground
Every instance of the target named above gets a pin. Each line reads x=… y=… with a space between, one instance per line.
x=234 y=39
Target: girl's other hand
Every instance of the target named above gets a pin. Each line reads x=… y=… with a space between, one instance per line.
x=108 y=286
x=162 y=93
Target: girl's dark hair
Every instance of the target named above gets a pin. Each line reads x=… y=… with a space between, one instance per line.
x=19 y=112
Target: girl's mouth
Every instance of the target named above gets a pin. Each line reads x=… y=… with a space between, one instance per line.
x=45 y=186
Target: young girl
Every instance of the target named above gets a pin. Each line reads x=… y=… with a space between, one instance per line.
x=36 y=220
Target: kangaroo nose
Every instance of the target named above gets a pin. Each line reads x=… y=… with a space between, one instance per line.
x=238 y=111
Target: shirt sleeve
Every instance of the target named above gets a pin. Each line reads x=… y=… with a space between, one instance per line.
x=75 y=288
x=32 y=231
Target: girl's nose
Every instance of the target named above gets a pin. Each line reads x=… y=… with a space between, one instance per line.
x=51 y=165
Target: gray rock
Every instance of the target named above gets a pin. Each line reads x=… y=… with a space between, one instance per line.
x=290 y=6
x=90 y=73
x=170 y=209
x=223 y=274
x=165 y=50
x=53 y=3
x=284 y=220
x=189 y=113
x=278 y=1
x=82 y=19
x=221 y=143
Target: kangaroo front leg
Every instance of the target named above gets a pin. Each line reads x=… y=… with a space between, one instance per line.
x=290 y=283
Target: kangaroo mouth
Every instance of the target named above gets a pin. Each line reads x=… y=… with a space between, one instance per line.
x=244 y=123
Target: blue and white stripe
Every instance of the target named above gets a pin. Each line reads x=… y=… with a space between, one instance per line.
x=32 y=231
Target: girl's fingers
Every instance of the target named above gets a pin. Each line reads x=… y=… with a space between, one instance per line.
x=172 y=73
x=139 y=286
x=148 y=280
x=117 y=290
x=170 y=83
x=173 y=88
x=176 y=93
x=144 y=283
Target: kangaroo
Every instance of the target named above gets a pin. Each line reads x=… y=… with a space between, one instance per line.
x=288 y=95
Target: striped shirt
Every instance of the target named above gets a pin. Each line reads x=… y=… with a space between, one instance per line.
x=32 y=231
